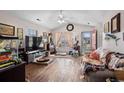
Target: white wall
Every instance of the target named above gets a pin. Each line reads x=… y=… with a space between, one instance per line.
x=99 y=29
x=20 y=23
x=81 y=28
x=110 y=44
x=77 y=30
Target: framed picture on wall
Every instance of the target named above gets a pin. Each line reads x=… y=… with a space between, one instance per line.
x=7 y=29
x=106 y=27
x=115 y=23
x=20 y=33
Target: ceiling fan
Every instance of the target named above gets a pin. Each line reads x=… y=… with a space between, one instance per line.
x=62 y=19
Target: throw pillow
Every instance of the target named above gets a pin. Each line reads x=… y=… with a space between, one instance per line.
x=120 y=63
x=94 y=55
x=113 y=62
x=103 y=53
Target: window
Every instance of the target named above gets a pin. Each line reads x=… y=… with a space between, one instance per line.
x=32 y=32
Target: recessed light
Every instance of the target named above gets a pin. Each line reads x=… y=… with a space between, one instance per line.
x=38 y=19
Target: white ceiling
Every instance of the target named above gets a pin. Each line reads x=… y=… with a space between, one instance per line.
x=49 y=17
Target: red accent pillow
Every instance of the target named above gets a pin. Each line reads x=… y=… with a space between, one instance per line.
x=94 y=55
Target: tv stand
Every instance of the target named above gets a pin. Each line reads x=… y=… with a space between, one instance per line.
x=32 y=55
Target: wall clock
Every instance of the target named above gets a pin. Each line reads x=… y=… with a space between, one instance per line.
x=70 y=27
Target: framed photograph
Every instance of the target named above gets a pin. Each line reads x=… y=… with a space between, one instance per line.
x=115 y=23
x=20 y=33
x=7 y=29
x=106 y=27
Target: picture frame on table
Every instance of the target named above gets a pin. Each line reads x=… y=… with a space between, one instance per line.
x=106 y=27
x=115 y=23
x=7 y=30
x=20 y=33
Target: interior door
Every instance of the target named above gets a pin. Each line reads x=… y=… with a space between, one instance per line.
x=94 y=40
x=88 y=41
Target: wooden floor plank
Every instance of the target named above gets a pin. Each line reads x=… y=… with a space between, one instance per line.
x=62 y=69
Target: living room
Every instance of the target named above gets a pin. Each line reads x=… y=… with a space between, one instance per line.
x=66 y=43
x=61 y=46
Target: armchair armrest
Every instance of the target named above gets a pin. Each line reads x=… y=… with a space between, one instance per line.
x=91 y=61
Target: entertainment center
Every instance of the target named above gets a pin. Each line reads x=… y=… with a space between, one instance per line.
x=33 y=48
x=32 y=55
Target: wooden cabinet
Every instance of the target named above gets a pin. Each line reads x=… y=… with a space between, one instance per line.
x=21 y=53
x=15 y=73
x=119 y=74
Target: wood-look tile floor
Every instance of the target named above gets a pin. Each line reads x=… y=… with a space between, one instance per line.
x=63 y=69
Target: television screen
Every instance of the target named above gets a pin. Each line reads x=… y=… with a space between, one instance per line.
x=30 y=42
x=39 y=41
x=33 y=43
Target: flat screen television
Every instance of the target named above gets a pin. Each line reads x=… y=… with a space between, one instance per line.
x=29 y=43
x=35 y=46
x=33 y=43
x=39 y=43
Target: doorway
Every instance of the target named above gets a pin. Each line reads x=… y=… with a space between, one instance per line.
x=88 y=41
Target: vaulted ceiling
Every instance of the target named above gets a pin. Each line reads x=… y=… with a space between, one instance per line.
x=49 y=18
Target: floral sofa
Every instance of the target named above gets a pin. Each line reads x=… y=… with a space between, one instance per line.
x=99 y=65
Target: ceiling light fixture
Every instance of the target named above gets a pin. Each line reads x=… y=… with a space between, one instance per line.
x=61 y=17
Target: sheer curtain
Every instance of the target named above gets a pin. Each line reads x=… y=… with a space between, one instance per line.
x=69 y=39
x=57 y=38
x=63 y=38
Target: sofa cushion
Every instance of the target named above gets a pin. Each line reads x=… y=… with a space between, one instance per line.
x=103 y=53
x=100 y=54
x=94 y=55
x=113 y=62
x=120 y=63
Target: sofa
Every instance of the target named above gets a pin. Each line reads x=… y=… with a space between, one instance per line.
x=92 y=68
